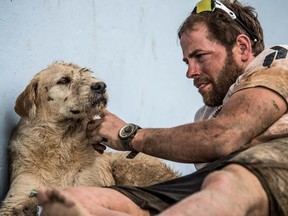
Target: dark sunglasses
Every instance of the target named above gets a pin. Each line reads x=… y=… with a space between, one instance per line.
x=211 y=5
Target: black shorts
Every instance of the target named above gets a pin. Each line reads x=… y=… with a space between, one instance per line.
x=267 y=161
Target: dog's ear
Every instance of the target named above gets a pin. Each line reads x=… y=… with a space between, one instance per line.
x=26 y=102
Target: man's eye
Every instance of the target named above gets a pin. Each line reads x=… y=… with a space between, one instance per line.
x=64 y=80
x=199 y=55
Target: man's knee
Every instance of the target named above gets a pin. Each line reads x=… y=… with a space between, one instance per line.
x=229 y=176
x=220 y=179
x=235 y=179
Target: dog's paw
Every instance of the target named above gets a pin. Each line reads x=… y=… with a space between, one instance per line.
x=6 y=211
x=27 y=209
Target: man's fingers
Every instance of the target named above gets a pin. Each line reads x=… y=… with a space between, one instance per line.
x=99 y=147
x=93 y=124
x=42 y=196
x=104 y=113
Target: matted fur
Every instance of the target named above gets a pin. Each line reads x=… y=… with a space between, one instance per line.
x=49 y=147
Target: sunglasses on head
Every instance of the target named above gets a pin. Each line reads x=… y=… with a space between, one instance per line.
x=211 y=5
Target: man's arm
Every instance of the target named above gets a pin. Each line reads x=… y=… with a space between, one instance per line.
x=243 y=117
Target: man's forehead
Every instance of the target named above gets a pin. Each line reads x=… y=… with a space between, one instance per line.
x=199 y=29
x=197 y=36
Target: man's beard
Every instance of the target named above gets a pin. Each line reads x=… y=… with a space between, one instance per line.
x=227 y=76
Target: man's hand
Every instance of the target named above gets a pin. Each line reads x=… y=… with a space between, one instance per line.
x=104 y=132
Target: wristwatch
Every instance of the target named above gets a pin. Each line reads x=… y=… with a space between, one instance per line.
x=126 y=134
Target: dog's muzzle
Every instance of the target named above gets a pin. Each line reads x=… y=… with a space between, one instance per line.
x=98 y=91
x=99 y=87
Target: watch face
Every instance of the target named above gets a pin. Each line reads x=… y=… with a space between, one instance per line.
x=126 y=131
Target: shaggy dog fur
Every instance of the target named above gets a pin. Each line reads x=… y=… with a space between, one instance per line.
x=49 y=147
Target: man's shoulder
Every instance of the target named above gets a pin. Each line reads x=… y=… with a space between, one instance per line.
x=269 y=56
x=267 y=70
x=275 y=48
x=273 y=53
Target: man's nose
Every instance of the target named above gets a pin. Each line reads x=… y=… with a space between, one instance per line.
x=192 y=72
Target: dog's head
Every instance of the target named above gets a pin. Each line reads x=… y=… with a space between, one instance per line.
x=60 y=92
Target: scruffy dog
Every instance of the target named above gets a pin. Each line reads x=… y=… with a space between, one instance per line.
x=49 y=147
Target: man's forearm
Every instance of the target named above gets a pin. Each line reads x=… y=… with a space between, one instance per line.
x=197 y=142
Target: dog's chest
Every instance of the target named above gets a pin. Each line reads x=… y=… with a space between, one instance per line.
x=68 y=153
x=46 y=149
x=57 y=159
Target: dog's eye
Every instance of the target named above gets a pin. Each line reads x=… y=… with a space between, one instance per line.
x=64 y=80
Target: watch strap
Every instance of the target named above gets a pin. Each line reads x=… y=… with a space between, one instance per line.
x=127 y=144
x=132 y=154
x=128 y=147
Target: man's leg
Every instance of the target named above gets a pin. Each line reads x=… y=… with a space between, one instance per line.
x=232 y=190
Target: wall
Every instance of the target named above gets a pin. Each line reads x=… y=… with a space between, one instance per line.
x=130 y=44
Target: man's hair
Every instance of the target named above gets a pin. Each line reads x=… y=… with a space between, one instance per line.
x=224 y=29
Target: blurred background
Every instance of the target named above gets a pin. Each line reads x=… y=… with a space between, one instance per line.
x=131 y=45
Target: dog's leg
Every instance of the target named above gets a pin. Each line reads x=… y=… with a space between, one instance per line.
x=99 y=174
x=17 y=201
x=143 y=170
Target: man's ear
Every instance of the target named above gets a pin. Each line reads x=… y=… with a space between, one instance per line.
x=26 y=102
x=244 y=47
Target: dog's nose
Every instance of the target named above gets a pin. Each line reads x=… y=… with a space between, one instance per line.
x=98 y=87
